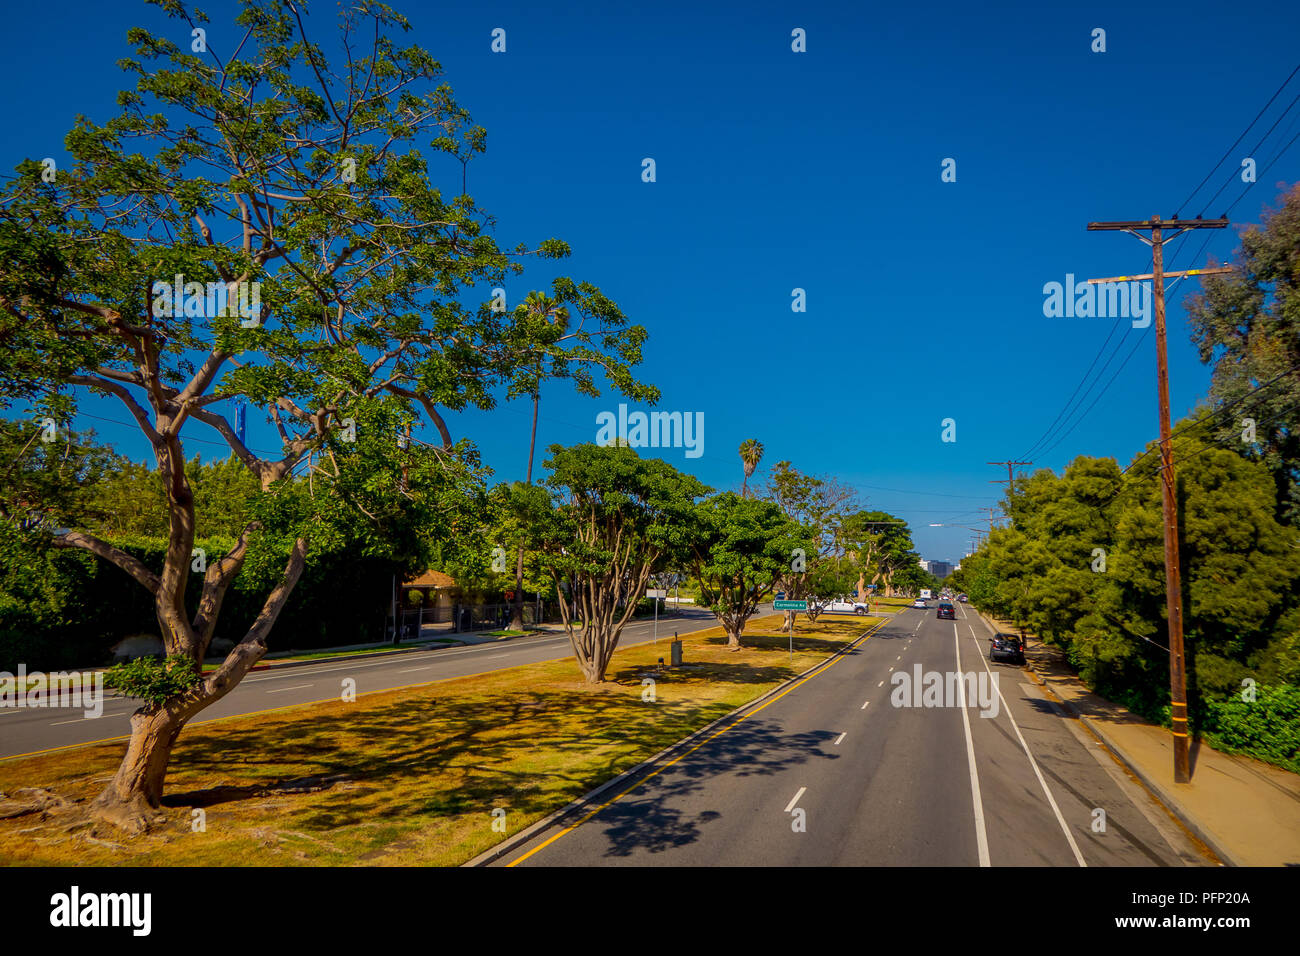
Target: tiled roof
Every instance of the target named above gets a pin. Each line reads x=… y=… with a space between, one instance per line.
x=432 y=579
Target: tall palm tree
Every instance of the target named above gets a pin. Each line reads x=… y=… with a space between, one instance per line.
x=535 y=305
x=751 y=453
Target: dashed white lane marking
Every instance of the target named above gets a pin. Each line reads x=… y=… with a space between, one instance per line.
x=412 y=670
x=281 y=690
x=864 y=705
x=840 y=737
x=795 y=799
x=881 y=684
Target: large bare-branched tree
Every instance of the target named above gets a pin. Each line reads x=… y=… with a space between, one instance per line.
x=259 y=221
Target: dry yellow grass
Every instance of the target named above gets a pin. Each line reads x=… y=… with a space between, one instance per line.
x=411 y=776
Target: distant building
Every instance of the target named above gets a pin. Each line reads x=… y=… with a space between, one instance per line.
x=940 y=569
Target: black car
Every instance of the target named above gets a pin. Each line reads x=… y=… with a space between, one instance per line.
x=1007 y=647
x=947 y=610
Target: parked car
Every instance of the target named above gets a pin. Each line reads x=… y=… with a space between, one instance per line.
x=842 y=606
x=946 y=610
x=1006 y=647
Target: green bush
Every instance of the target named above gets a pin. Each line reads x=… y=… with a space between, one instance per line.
x=1267 y=727
x=153 y=681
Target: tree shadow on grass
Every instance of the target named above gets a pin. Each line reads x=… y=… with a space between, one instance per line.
x=770 y=643
x=410 y=761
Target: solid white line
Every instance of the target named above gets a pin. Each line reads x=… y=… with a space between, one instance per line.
x=281 y=690
x=412 y=670
x=840 y=737
x=77 y=721
x=981 y=835
x=1032 y=762
x=795 y=799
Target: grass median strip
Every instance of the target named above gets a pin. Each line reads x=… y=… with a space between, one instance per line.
x=406 y=777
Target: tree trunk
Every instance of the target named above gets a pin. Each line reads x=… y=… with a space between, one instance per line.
x=133 y=797
x=788 y=622
x=517 y=611
x=517 y=614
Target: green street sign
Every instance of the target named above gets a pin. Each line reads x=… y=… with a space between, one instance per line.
x=790 y=605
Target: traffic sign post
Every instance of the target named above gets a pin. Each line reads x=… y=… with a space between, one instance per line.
x=656 y=594
x=791 y=606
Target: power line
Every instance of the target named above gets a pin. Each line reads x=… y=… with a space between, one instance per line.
x=1033 y=448
x=1065 y=411
x=1105 y=388
x=1228 y=151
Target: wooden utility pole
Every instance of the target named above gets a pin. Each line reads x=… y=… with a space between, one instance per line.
x=1011 y=478
x=1173 y=577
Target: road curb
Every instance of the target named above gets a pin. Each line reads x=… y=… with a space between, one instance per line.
x=272 y=666
x=1154 y=788
x=510 y=844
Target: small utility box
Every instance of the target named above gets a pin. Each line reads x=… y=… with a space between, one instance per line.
x=676 y=648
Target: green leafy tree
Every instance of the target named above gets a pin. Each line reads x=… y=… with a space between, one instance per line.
x=1247 y=328
x=617 y=519
x=544 y=318
x=819 y=504
x=320 y=275
x=742 y=549
x=882 y=546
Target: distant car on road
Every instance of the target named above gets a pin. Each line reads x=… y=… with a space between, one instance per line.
x=947 y=610
x=1008 y=647
x=920 y=603
x=962 y=598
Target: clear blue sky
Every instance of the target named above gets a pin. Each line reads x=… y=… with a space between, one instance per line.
x=818 y=170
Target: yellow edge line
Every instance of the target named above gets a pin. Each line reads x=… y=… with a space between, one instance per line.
x=820 y=669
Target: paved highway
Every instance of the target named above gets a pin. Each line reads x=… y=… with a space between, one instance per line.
x=833 y=773
x=25 y=731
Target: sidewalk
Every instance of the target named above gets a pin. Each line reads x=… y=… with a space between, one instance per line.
x=1246 y=811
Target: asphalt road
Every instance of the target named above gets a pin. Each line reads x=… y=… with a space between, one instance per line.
x=833 y=773
x=25 y=731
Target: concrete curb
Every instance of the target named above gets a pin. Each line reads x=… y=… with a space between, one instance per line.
x=1157 y=791
x=510 y=844
x=272 y=666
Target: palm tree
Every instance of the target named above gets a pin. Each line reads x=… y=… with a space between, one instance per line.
x=751 y=453
x=535 y=304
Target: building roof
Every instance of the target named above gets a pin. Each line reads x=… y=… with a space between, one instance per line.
x=431 y=579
